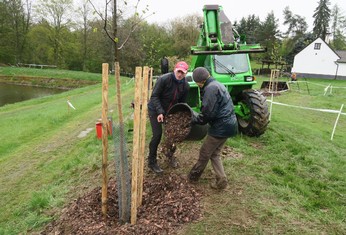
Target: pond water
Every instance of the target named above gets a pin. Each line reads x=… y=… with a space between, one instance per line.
x=10 y=93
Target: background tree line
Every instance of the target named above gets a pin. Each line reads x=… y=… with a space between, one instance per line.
x=54 y=32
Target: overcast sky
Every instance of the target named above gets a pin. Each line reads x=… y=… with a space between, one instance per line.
x=169 y=9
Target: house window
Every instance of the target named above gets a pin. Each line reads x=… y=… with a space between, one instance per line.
x=317 y=46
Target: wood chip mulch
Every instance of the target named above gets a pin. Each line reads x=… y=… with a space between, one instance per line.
x=169 y=202
x=177 y=128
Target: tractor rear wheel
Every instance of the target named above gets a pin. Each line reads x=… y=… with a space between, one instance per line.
x=254 y=117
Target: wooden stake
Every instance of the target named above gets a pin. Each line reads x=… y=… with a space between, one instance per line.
x=136 y=130
x=150 y=83
x=144 y=109
x=104 y=137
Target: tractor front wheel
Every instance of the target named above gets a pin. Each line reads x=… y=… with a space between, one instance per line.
x=253 y=118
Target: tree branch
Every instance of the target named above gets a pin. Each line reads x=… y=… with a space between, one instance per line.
x=133 y=28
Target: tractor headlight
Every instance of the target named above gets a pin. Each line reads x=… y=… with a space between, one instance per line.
x=249 y=78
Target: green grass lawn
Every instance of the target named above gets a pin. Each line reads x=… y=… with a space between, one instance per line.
x=291 y=180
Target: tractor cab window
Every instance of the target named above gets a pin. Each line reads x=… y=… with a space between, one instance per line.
x=228 y=64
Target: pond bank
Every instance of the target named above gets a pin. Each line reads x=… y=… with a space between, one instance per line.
x=58 y=83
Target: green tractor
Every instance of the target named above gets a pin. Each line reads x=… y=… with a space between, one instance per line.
x=224 y=53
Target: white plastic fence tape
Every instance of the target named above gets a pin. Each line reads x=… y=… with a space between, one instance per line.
x=339 y=112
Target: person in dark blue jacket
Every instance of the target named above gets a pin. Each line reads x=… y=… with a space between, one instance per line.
x=218 y=111
x=169 y=89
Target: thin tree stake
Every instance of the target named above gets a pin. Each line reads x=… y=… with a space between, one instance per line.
x=144 y=109
x=136 y=139
x=105 y=127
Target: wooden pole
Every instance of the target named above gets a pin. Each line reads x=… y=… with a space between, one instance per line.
x=150 y=83
x=136 y=130
x=104 y=137
x=144 y=109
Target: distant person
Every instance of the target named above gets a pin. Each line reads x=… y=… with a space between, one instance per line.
x=169 y=89
x=217 y=109
x=164 y=65
x=293 y=77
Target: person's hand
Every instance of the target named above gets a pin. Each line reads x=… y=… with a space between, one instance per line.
x=194 y=118
x=160 y=118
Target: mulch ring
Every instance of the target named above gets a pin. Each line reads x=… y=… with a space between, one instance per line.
x=168 y=203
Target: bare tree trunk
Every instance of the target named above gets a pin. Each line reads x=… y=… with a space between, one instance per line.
x=115 y=32
x=85 y=32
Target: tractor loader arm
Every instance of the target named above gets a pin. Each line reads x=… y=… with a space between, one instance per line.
x=217 y=36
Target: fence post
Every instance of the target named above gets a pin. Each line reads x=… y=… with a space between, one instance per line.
x=336 y=121
x=136 y=139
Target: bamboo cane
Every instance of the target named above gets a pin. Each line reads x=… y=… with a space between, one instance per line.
x=104 y=137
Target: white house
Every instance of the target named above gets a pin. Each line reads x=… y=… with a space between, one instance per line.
x=318 y=60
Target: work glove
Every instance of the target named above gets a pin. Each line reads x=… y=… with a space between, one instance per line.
x=198 y=118
x=194 y=117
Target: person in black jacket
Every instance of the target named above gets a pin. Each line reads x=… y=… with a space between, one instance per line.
x=169 y=89
x=217 y=109
x=164 y=65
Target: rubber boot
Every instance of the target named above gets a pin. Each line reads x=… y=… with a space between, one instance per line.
x=153 y=166
x=194 y=175
x=219 y=183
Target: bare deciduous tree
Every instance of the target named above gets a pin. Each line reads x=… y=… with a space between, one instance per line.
x=112 y=30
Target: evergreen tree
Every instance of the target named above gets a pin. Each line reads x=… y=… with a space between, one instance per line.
x=267 y=34
x=338 y=29
x=296 y=24
x=248 y=27
x=322 y=16
x=296 y=32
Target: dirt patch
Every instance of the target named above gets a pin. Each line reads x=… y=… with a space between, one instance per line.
x=168 y=203
x=228 y=152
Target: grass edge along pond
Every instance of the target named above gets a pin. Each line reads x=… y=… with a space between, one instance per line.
x=289 y=180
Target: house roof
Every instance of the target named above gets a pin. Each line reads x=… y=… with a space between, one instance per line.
x=342 y=55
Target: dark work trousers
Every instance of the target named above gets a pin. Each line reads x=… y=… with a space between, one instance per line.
x=210 y=149
x=156 y=128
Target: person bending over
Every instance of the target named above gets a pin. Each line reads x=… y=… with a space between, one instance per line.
x=218 y=110
x=169 y=89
